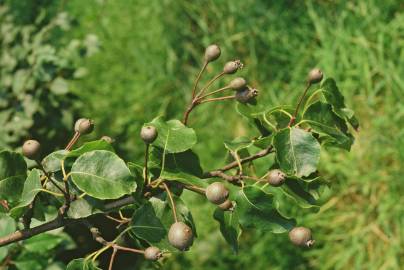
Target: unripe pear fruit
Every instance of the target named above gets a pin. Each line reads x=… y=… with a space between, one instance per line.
x=217 y=193
x=152 y=253
x=238 y=83
x=180 y=236
x=84 y=126
x=276 y=177
x=301 y=236
x=227 y=205
x=315 y=76
x=231 y=67
x=107 y=139
x=148 y=134
x=31 y=149
x=212 y=53
x=246 y=94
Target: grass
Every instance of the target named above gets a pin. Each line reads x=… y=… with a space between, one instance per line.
x=151 y=52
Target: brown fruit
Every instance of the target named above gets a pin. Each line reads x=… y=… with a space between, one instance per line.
x=315 y=76
x=212 y=53
x=301 y=236
x=180 y=236
x=276 y=177
x=148 y=134
x=152 y=253
x=31 y=149
x=217 y=193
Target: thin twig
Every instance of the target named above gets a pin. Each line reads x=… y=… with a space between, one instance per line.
x=293 y=119
x=195 y=189
x=146 y=160
x=205 y=64
x=111 y=262
x=234 y=164
x=76 y=136
x=214 y=92
x=171 y=201
x=209 y=84
x=217 y=99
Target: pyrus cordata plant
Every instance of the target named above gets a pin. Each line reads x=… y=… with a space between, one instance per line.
x=145 y=199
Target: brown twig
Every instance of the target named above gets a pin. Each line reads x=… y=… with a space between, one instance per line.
x=293 y=119
x=205 y=64
x=111 y=261
x=76 y=136
x=217 y=99
x=171 y=201
x=235 y=164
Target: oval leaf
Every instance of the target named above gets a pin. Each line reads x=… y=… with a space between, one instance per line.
x=102 y=175
x=173 y=136
x=297 y=151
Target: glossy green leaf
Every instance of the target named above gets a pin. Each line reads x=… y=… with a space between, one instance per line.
x=146 y=225
x=297 y=151
x=90 y=146
x=84 y=207
x=256 y=208
x=187 y=162
x=238 y=144
x=336 y=99
x=43 y=242
x=325 y=122
x=173 y=135
x=31 y=188
x=52 y=162
x=7 y=226
x=102 y=175
x=299 y=191
x=229 y=226
x=13 y=172
x=187 y=179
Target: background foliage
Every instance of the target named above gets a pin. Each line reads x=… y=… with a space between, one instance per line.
x=150 y=53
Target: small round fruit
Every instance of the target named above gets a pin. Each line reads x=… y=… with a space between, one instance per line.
x=246 y=94
x=31 y=149
x=86 y=126
x=217 y=193
x=301 y=236
x=107 y=139
x=77 y=124
x=227 y=205
x=152 y=253
x=315 y=76
x=148 y=134
x=212 y=53
x=180 y=236
x=238 y=83
x=276 y=177
x=232 y=67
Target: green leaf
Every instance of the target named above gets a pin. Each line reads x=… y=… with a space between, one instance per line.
x=187 y=161
x=7 y=226
x=229 y=226
x=146 y=225
x=91 y=146
x=256 y=208
x=238 y=144
x=184 y=178
x=52 y=162
x=82 y=264
x=325 y=122
x=252 y=109
x=13 y=172
x=299 y=191
x=31 y=188
x=43 y=242
x=173 y=135
x=336 y=99
x=59 y=86
x=297 y=151
x=102 y=175
x=84 y=207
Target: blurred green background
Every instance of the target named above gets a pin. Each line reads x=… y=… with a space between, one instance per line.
x=150 y=52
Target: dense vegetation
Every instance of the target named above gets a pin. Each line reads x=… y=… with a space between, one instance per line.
x=150 y=54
